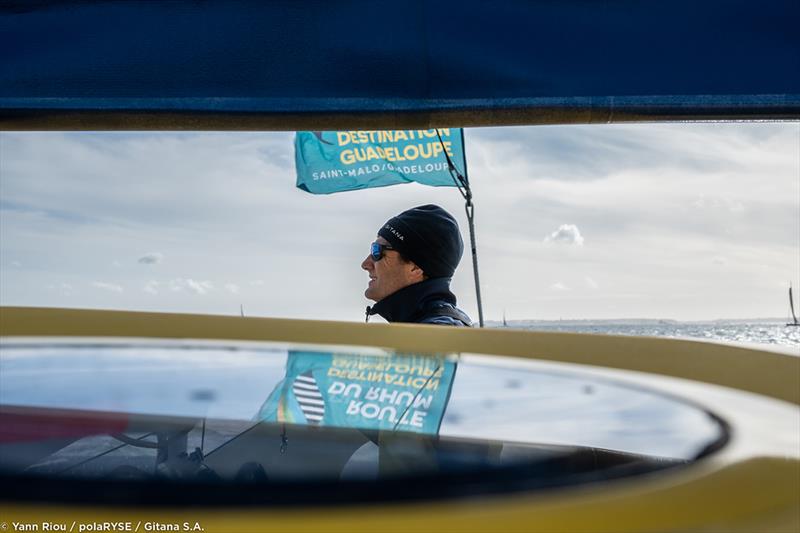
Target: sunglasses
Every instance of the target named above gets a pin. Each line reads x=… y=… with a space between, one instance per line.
x=376 y=250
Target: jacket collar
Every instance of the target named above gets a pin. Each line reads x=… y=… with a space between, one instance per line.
x=409 y=302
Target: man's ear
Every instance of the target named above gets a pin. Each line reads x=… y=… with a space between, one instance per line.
x=416 y=273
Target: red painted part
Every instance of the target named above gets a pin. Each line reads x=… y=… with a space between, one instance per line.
x=21 y=424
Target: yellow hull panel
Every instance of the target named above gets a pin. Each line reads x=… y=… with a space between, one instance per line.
x=755 y=492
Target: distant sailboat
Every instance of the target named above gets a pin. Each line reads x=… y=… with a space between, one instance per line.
x=791 y=308
x=505 y=324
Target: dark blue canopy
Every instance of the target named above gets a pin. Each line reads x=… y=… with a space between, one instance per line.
x=221 y=64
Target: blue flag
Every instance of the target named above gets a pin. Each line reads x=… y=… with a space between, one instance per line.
x=335 y=161
x=403 y=392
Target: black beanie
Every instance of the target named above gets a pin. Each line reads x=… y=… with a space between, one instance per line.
x=429 y=236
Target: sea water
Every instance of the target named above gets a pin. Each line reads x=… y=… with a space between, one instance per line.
x=768 y=333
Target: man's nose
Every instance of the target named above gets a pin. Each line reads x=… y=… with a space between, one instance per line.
x=368 y=263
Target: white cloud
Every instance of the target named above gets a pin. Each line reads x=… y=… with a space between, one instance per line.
x=558 y=286
x=113 y=287
x=232 y=288
x=592 y=284
x=197 y=287
x=566 y=234
x=64 y=288
x=152 y=258
x=719 y=261
x=257 y=282
x=725 y=203
x=733 y=205
x=151 y=287
x=16 y=264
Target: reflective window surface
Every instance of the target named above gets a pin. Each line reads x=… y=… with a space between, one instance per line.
x=247 y=412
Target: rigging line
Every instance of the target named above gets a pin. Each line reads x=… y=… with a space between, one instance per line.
x=203 y=437
x=233 y=438
x=414 y=399
x=461 y=182
x=454 y=174
x=133 y=442
x=463 y=187
x=470 y=210
x=450 y=163
x=466 y=194
x=100 y=455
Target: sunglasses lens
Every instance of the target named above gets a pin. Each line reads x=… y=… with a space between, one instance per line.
x=376 y=252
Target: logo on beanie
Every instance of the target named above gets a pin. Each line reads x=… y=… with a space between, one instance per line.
x=395 y=232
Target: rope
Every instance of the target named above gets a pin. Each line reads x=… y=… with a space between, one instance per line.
x=462 y=183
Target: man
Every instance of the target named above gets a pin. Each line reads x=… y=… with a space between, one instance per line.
x=410 y=266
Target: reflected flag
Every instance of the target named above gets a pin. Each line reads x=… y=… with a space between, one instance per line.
x=309 y=397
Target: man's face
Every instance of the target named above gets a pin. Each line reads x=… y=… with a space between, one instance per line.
x=389 y=274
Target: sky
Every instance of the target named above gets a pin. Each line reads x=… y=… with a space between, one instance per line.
x=684 y=221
